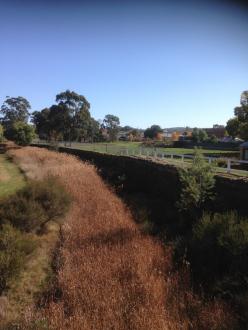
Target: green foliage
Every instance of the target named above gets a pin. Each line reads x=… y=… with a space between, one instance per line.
x=15 y=109
x=197 y=183
x=152 y=131
x=213 y=139
x=199 y=135
x=111 y=124
x=238 y=126
x=70 y=119
x=35 y=205
x=232 y=127
x=22 y=133
x=218 y=252
x=14 y=246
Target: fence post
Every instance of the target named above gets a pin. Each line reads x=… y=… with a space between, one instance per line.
x=182 y=157
x=171 y=156
x=228 y=165
x=209 y=160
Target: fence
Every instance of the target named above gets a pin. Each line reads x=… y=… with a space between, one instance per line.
x=229 y=165
x=184 y=157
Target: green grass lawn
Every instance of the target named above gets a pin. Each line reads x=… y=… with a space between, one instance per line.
x=119 y=146
x=11 y=178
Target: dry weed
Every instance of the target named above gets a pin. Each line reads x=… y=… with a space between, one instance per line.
x=111 y=276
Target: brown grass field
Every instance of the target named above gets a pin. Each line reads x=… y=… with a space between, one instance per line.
x=110 y=275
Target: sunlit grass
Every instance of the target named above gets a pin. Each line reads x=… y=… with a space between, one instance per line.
x=11 y=178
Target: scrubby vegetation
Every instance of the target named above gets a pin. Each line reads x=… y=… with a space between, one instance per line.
x=22 y=214
x=197 y=184
x=36 y=204
x=14 y=247
x=108 y=273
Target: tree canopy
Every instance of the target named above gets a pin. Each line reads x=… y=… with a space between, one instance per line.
x=199 y=135
x=238 y=125
x=111 y=124
x=68 y=120
x=152 y=132
x=22 y=133
x=15 y=109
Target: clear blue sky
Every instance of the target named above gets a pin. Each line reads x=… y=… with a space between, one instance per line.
x=164 y=62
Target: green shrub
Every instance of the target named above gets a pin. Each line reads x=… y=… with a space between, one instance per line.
x=218 y=252
x=36 y=204
x=22 y=133
x=197 y=184
x=14 y=246
x=220 y=162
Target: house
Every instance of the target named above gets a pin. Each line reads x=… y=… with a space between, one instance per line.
x=218 y=130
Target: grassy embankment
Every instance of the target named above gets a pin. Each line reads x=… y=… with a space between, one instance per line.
x=11 y=178
x=20 y=295
x=112 y=276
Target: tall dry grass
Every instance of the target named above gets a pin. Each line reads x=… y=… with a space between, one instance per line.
x=110 y=275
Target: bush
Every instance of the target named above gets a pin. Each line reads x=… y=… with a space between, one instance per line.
x=197 y=184
x=22 y=133
x=14 y=246
x=218 y=253
x=35 y=205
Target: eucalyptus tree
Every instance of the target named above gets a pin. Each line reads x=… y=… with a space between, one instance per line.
x=15 y=109
x=111 y=124
x=75 y=113
x=238 y=125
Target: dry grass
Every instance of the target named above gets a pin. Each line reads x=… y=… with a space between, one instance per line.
x=110 y=275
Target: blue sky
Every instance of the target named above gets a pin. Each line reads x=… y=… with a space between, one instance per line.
x=163 y=62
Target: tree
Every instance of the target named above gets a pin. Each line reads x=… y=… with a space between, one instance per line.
x=78 y=124
x=197 y=184
x=232 y=127
x=238 y=126
x=69 y=119
x=199 y=135
x=15 y=109
x=111 y=124
x=22 y=133
x=42 y=123
x=152 y=132
x=244 y=98
x=202 y=135
x=94 y=131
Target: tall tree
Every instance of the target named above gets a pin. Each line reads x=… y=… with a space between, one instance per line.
x=111 y=123
x=15 y=109
x=239 y=124
x=42 y=123
x=232 y=127
x=77 y=116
